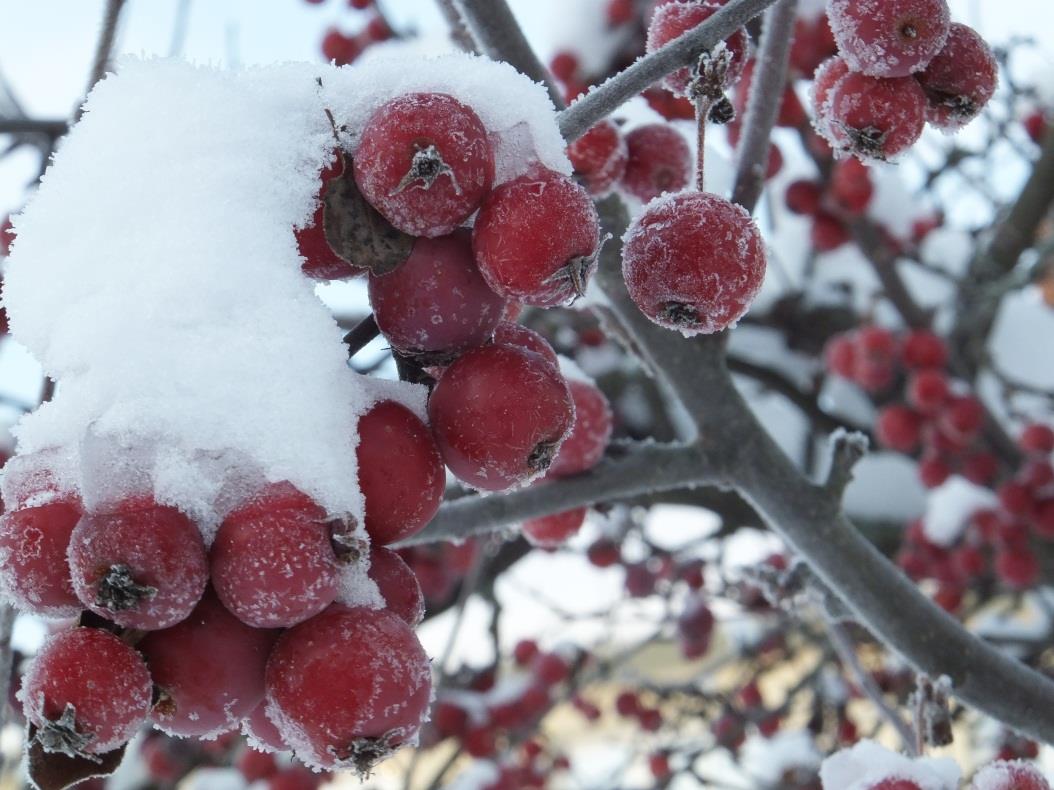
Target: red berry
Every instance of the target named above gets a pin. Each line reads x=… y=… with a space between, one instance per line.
x=924 y=349
x=812 y=44
x=425 y=163
x=658 y=160
x=360 y=4
x=840 y=356
x=6 y=236
x=599 y=157
x=933 y=471
x=876 y=118
x=659 y=765
x=33 y=545
x=1015 y=775
x=377 y=29
x=672 y=20
x=338 y=48
x=1016 y=499
x=627 y=704
x=485 y=435
x=536 y=239
x=208 y=671
x=519 y=336
x=1035 y=124
x=320 y=261
x=273 y=562
x=695 y=625
x=449 y=719
x=436 y=303
x=348 y=687
x=620 y=12
x=400 y=472
x=889 y=38
x=960 y=80
x=640 y=581
x=980 y=468
x=828 y=232
x=963 y=418
x=603 y=553
x=397 y=584
x=564 y=66
x=1037 y=439
x=899 y=428
x=550 y=532
x=928 y=391
x=851 y=185
x=895 y=784
x=525 y=651
x=589 y=437
x=479 y=742
x=260 y=731
x=141 y=565
x=669 y=105
x=791 y=113
x=1017 y=567
x=803 y=197
x=86 y=691
x=828 y=76
x=255 y=765
x=693 y=262
x=650 y=720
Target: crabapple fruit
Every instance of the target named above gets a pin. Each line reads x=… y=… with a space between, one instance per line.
x=589 y=437
x=658 y=160
x=889 y=38
x=960 y=80
x=33 y=545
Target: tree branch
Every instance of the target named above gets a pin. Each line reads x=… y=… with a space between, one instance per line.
x=104 y=49
x=766 y=94
x=459 y=32
x=628 y=472
x=495 y=28
x=51 y=128
x=684 y=51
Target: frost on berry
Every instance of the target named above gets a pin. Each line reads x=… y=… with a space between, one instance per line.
x=208 y=671
x=436 y=304
x=86 y=692
x=397 y=584
x=827 y=77
x=868 y=765
x=599 y=157
x=1009 y=775
x=348 y=687
x=693 y=262
x=400 y=472
x=508 y=333
x=274 y=562
x=673 y=20
x=141 y=565
x=320 y=260
x=550 y=532
x=875 y=118
x=589 y=437
x=260 y=732
x=424 y=162
x=659 y=161
x=33 y=545
x=537 y=238
x=889 y=38
x=486 y=436
x=960 y=80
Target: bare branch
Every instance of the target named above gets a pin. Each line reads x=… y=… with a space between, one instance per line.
x=104 y=49
x=846 y=451
x=51 y=128
x=766 y=92
x=459 y=32
x=684 y=51
x=495 y=28
x=633 y=471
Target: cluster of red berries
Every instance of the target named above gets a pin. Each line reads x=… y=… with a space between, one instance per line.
x=900 y=65
x=342 y=49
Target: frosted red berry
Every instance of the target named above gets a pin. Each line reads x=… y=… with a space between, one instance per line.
x=599 y=157
x=1010 y=775
x=425 y=163
x=87 y=692
x=141 y=565
x=273 y=561
x=658 y=160
x=320 y=261
x=672 y=20
x=260 y=731
x=693 y=262
x=960 y=80
x=828 y=76
x=33 y=546
x=397 y=585
x=889 y=38
x=208 y=671
x=536 y=239
x=550 y=532
x=899 y=428
x=436 y=303
x=813 y=43
x=875 y=118
x=400 y=472
x=348 y=687
x=518 y=336
x=589 y=437
x=485 y=435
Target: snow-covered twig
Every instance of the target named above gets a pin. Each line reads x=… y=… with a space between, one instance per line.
x=684 y=51
x=766 y=91
x=846 y=450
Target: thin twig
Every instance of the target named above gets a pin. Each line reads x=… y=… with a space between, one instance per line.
x=459 y=32
x=179 y=29
x=104 y=48
x=766 y=93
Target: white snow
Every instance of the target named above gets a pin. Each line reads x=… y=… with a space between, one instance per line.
x=866 y=763
x=156 y=278
x=950 y=506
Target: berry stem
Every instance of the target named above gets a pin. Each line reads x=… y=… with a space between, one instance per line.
x=361 y=335
x=702 y=111
x=770 y=80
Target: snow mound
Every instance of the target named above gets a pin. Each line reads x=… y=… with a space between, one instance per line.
x=867 y=763
x=156 y=277
x=950 y=507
